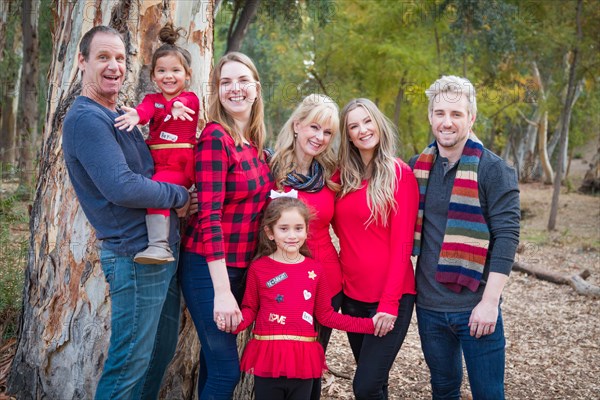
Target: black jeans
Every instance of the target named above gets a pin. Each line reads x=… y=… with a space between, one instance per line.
x=324 y=334
x=375 y=355
x=281 y=388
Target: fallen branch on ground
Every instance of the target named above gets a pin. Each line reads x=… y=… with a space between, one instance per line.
x=339 y=374
x=576 y=281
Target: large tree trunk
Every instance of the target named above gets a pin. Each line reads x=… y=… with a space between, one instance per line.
x=28 y=97
x=65 y=322
x=566 y=120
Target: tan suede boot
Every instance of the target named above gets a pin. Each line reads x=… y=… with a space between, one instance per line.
x=158 y=250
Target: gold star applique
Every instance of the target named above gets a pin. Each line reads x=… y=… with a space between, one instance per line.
x=312 y=275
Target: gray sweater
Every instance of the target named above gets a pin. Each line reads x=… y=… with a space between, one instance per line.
x=110 y=170
x=499 y=197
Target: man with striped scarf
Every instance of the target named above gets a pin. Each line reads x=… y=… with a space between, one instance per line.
x=466 y=236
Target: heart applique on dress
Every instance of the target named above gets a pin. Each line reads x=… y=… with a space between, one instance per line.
x=307 y=294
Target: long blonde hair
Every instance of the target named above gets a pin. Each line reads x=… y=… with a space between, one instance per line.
x=256 y=129
x=313 y=108
x=382 y=182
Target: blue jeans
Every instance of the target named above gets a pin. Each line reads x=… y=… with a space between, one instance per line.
x=445 y=337
x=375 y=355
x=219 y=362
x=145 y=306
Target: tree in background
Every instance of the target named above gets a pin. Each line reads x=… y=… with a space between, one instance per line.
x=10 y=75
x=27 y=114
x=391 y=51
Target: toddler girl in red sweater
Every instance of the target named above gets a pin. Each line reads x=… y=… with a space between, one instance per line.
x=173 y=117
x=284 y=294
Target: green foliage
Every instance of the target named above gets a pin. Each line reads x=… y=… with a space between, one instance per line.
x=13 y=252
x=10 y=61
x=391 y=51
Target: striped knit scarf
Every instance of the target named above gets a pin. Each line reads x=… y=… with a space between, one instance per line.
x=466 y=239
x=311 y=183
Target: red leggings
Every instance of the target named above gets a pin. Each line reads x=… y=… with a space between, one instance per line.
x=172 y=166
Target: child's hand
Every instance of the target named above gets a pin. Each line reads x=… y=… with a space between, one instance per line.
x=128 y=120
x=191 y=207
x=179 y=111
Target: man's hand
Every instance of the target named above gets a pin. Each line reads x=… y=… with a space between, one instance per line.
x=483 y=319
x=485 y=315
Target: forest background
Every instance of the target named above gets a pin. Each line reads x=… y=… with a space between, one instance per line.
x=535 y=65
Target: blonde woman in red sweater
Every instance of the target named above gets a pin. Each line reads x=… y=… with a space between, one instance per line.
x=305 y=161
x=374 y=218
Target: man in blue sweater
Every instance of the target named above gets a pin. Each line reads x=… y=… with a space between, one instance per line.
x=466 y=236
x=110 y=170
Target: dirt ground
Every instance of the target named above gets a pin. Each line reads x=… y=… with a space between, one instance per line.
x=552 y=333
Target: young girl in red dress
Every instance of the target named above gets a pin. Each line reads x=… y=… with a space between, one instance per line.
x=286 y=294
x=173 y=117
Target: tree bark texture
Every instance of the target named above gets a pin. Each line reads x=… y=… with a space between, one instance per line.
x=28 y=97
x=65 y=322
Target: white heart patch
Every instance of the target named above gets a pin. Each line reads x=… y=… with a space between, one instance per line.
x=307 y=294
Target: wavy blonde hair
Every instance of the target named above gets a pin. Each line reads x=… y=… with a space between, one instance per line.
x=257 y=132
x=314 y=108
x=382 y=182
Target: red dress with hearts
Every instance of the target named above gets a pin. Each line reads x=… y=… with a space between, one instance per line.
x=284 y=300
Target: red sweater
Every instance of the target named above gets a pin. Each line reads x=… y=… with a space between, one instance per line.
x=155 y=108
x=319 y=242
x=284 y=299
x=233 y=184
x=376 y=265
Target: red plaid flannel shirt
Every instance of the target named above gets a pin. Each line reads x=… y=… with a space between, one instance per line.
x=233 y=184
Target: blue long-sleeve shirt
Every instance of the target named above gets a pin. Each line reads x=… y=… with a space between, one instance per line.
x=110 y=170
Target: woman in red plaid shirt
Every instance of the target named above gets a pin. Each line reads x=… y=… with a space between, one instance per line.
x=233 y=181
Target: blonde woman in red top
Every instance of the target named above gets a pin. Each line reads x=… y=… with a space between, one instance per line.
x=374 y=219
x=305 y=161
